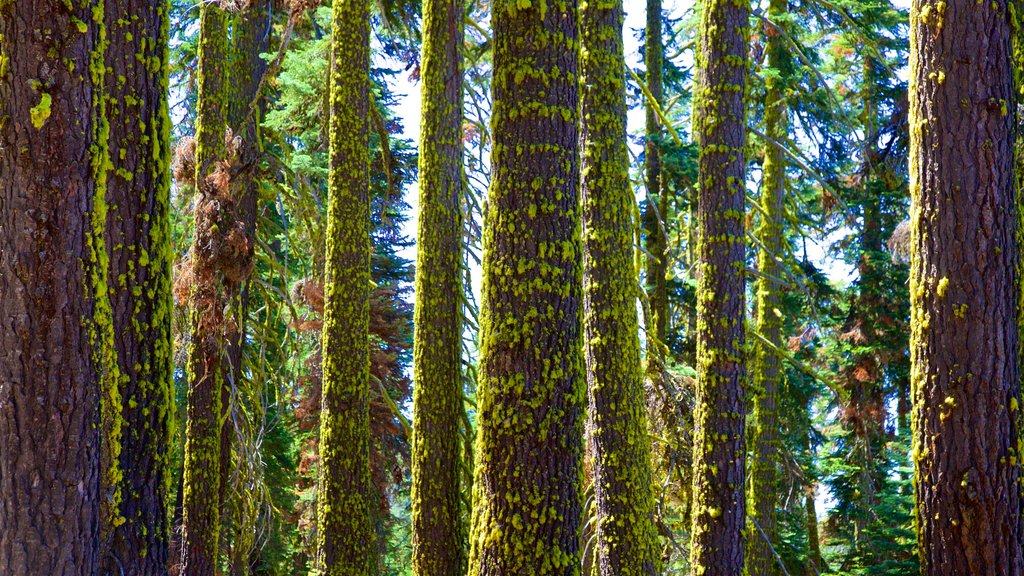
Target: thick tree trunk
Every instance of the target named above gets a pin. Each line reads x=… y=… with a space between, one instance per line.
x=201 y=516
x=526 y=510
x=627 y=544
x=718 y=444
x=346 y=541
x=437 y=530
x=138 y=237
x=59 y=403
x=963 y=290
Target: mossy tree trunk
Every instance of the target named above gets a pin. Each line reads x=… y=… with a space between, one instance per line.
x=138 y=239
x=201 y=485
x=762 y=534
x=437 y=531
x=531 y=400
x=654 y=219
x=59 y=402
x=346 y=541
x=718 y=444
x=249 y=39
x=627 y=544
x=963 y=290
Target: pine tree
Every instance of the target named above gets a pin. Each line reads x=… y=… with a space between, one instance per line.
x=346 y=541
x=250 y=39
x=201 y=484
x=626 y=541
x=531 y=397
x=437 y=531
x=718 y=442
x=59 y=402
x=656 y=206
x=963 y=288
x=762 y=534
x=138 y=239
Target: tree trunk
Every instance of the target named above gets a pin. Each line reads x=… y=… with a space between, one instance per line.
x=58 y=374
x=963 y=290
x=655 y=220
x=138 y=237
x=201 y=516
x=250 y=39
x=626 y=540
x=718 y=444
x=527 y=501
x=437 y=530
x=811 y=526
x=346 y=541
x=762 y=535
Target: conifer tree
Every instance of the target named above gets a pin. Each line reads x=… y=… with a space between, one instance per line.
x=437 y=531
x=213 y=224
x=718 y=442
x=762 y=535
x=346 y=541
x=138 y=239
x=656 y=205
x=59 y=400
x=963 y=288
x=531 y=397
x=626 y=540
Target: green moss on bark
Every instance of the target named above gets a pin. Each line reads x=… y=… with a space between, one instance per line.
x=720 y=407
x=437 y=530
x=201 y=504
x=762 y=534
x=626 y=540
x=346 y=541
x=531 y=400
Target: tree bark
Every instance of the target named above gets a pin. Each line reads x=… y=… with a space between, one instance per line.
x=762 y=535
x=251 y=32
x=627 y=543
x=718 y=444
x=654 y=220
x=531 y=400
x=201 y=515
x=346 y=540
x=963 y=289
x=437 y=530
x=138 y=238
x=59 y=409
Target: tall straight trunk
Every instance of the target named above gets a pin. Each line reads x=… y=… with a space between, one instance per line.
x=437 y=530
x=250 y=39
x=346 y=541
x=59 y=403
x=201 y=502
x=654 y=219
x=138 y=238
x=627 y=543
x=531 y=400
x=762 y=535
x=718 y=443
x=963 y=291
